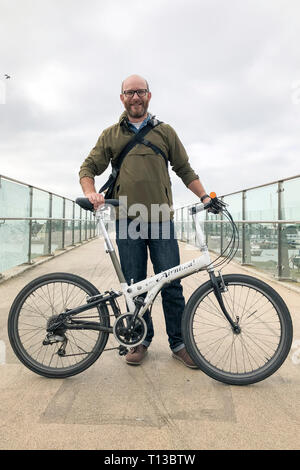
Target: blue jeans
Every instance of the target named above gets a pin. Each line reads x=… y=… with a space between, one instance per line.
x=133 y=246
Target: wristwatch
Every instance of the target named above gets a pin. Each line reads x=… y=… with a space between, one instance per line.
x=204 y=197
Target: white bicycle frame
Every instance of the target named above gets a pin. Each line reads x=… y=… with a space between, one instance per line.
x=154 y=284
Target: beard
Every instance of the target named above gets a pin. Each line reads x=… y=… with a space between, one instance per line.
x=137 y=109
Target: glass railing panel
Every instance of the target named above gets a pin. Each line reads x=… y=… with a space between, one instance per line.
x=14 y=243
x=262 y=203
x=290 y=252
x=261 y=246
x=40 y=228
x=290 y=200
x=213 y=232
x=89 y=224
x=227 y=244
x=184 y=225
x=57 y=225
x=178 y=223
x=235 y=205
x=68 y=223
x=14 y=199
x=40 y=203
x=237 y=256
x=77 y=224
x=83 y=225
x=191 y=232
x=40 y=238
x=57 y=207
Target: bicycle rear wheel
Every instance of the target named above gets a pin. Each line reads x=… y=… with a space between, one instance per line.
x=258 y=350
x=42 y=299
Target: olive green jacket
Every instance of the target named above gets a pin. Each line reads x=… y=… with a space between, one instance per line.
x=143 y=176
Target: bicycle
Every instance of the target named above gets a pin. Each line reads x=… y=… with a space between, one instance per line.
x=236 y=328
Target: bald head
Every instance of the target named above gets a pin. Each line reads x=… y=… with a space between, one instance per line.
x=134 y=82
x=135 y=104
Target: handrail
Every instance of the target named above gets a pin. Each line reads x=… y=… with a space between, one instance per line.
x=262 y=185
x=274 y=234
x=23 y=242
x=249 y=189
x=32 y=186
x=38 y=218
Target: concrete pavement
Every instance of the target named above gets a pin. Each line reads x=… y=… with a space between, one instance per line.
x=158 y=405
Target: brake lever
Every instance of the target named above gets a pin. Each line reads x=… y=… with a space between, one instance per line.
x=215 y=205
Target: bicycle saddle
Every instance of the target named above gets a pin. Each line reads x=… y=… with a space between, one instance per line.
x=87 y=205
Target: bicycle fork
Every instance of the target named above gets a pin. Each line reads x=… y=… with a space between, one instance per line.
x=219 y=287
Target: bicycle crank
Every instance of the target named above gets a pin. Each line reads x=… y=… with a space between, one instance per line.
x=129 y=332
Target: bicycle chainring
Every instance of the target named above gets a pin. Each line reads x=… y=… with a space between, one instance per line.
x=129 y=337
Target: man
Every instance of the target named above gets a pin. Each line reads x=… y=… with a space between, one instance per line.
x=144 y=179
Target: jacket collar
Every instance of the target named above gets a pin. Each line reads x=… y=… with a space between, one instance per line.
x=123 y=121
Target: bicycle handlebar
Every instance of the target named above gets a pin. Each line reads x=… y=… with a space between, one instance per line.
x=214 y=206
x=87 y=205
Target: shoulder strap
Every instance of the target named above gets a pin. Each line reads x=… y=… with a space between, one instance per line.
x=156 y=149
x=137 y=138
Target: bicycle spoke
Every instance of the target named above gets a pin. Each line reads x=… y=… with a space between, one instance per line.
x=48 y=300
x=230 y=352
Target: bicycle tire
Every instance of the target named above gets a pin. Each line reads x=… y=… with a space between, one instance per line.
x=26 y=322
x=271 y=328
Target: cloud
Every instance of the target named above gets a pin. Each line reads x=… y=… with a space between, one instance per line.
x=225 y=75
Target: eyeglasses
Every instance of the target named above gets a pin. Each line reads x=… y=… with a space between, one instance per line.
x=131 y=93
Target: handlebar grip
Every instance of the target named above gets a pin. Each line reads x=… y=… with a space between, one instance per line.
x=215 y=205
x=85 y=203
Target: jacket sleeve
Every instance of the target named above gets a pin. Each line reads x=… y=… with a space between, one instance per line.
x=179 y=159
x=97 y=161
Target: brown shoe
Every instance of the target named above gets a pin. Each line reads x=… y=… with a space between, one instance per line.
x=183 y=356
x=136 y=355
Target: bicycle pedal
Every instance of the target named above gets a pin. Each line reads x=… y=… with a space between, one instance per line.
x=123 y=351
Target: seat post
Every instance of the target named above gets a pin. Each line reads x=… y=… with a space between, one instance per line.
x=109 y=247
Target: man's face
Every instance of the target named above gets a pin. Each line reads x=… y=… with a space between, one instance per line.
x=136 y=106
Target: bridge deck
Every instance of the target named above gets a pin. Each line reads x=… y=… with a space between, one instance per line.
x=158 y=405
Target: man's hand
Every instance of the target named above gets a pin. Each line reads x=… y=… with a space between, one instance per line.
x=206 y=200
x=96 y=199
x=88 y=187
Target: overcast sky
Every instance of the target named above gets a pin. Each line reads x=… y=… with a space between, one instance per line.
x=224 y=73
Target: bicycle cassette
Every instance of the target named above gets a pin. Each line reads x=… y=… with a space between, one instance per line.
x=128 y=335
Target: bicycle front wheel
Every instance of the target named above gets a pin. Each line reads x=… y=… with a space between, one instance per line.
x=265 y=336
x=42 y=300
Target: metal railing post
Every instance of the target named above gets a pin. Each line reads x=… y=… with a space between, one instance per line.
x=73 y=224
x=206 y=227
x=50 y=224
x=221 y=230
x=63 y=224
x=283 y=252
x=244 y=196
x=80 y=217
x=86 y=224
x=30 y=224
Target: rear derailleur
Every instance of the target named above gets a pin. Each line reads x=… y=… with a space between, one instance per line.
x=56 y=335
